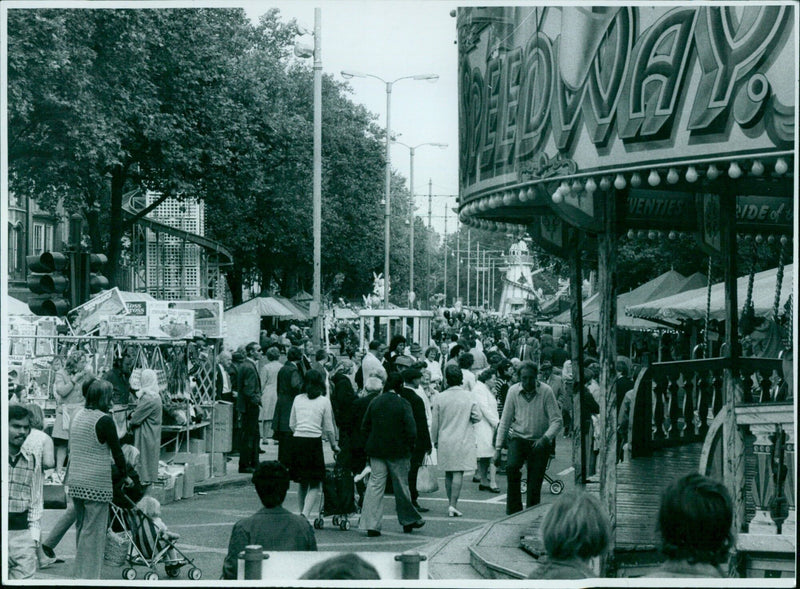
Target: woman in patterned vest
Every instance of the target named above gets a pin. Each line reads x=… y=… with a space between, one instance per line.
x=93 y=443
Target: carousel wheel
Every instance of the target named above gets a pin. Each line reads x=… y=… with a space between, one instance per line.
x=319 y=523
x=129 y=574
x=523 y=486
x=195 y=574
x=172 y=571
x=151 y=576
x=344 y=525
x=336 y=520
x=556 y=487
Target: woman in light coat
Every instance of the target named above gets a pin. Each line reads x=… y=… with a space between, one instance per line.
x=485 y=430
x=145 y=421
x=453 y=435
x=269 y=393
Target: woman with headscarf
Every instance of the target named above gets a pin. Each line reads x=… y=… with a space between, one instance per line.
x=145 y=421
x=68 y=389
x=343 y=395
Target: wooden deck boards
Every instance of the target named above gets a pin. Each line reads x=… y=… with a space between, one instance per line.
x=640 y=483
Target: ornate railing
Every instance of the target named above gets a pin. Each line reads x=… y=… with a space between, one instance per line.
x=675 y=402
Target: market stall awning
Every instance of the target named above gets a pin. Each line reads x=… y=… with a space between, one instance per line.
x=691 y=304
x=342 y=313
x=298 y=311
x=16 y=306
x=263 y=307
x=667 y=283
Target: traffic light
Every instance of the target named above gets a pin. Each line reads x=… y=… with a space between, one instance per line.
x=86 y=277
x=49 y=281
x=97 y=282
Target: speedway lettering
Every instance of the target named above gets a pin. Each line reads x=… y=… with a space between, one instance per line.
x=635 y=88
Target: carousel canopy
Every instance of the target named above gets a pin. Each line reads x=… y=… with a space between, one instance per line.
x=691 y=304
x=666 y=284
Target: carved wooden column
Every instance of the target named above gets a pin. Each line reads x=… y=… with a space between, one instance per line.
x=733 y=468
x=789 y=526
x=761 y=487
x=578 y=379
x=607 y=348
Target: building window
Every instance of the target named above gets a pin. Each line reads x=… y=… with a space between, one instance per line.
x=42 y=238
x=14 y=248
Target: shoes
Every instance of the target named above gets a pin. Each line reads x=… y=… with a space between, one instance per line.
x=488 y=488
x=476 y=480
x=367 y=470
x=408 y=528
x=373 y=533
x=47 y=562
x=247 y=470
x=49 y=552
x=453 y=512
x=419 y=507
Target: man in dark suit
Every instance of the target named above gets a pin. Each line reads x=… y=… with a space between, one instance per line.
x=247 y=405
x=290 y=383
x=390 y=433
x=422 y=444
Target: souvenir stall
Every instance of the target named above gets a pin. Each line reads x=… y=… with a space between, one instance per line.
x=120 y=336
x=578 y=125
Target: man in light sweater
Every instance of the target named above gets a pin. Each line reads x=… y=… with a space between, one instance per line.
x=530 y=423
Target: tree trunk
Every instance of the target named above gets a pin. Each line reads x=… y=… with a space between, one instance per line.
x=234 y=277
x=116 y=225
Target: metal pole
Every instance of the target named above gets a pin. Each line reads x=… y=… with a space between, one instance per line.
x=388 y=207
x=317 y=179
x=458 y=259
x=478 y=274
x=428 y=250
x=411 y=220
x=444 y=303
x=469 y=252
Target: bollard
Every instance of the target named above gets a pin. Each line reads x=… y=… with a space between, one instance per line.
x=410 y=563
x=253 y=556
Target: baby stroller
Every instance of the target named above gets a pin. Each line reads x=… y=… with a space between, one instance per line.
x=338 y=498
x=556 y=485
x=145 y=546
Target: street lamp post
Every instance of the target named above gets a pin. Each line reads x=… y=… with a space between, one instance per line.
x=412 y=150
x=316 y=53
x=387 y=206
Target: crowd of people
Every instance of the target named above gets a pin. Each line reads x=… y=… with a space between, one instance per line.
x=484 y=399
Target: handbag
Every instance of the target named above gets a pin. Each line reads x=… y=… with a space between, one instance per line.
x=426 y=479
x=54 y=497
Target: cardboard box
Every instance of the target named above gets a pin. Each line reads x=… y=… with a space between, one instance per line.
x=218 y=464
x=197 y=445
x=220 y=438
x=190 y=458
x=188 y=484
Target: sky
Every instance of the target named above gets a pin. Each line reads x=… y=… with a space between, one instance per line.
x=392 y=39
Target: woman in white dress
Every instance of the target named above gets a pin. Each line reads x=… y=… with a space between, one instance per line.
x=485 y=430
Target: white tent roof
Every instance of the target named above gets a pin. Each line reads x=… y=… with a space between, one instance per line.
x=691 y=304
x=262 y=306
x=16 y=306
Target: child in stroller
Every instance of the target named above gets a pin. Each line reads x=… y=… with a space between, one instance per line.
x=150 y=507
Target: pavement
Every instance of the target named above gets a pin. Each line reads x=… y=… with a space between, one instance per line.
x=485 y=544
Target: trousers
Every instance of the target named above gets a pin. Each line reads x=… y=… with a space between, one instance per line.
x=372 y=510
x=21 y=554
x=250 y=434
x=521 y=452
x=91 y=523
